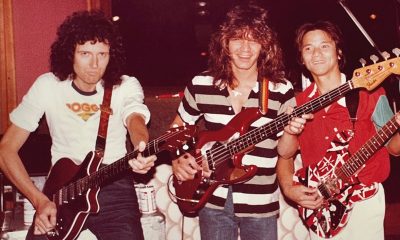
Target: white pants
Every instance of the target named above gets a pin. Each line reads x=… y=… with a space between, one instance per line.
x=366 y=220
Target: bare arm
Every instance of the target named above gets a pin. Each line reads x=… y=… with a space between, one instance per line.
x=13 y=168
x=137 y=129
x=139 y=137
x=288 y=146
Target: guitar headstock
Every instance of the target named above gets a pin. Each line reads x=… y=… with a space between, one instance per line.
x=371 y=76
x=176 y=138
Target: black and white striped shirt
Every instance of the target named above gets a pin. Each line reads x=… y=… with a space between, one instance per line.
x=260 y=194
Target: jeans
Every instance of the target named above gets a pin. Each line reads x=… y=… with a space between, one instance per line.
x=119 y=215
x=222 y=224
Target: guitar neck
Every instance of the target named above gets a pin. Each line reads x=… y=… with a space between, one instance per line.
x=114 y=169
x=357 y=160
x=275 y=126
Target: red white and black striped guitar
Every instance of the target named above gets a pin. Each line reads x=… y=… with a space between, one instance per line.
x=74 y=188
x=335 y=177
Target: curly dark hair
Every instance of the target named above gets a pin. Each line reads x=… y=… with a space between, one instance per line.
x=79 y=28
x=330 y=28
x=243 y=21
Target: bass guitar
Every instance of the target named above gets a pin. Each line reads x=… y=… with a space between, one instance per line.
x=74 y=188
x=221 y=151
x=335 y=177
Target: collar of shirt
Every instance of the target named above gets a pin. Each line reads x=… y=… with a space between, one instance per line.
x=341 y=101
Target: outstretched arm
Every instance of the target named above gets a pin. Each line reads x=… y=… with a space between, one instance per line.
x=13 y=168
x=139 y=137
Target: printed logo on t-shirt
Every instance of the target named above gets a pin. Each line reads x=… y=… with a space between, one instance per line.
x=83 y=110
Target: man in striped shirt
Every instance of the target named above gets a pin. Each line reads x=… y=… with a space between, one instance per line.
x=243 y=53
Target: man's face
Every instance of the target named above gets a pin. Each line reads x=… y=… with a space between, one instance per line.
x=90 y=63
x=244 y=53
x=319 y=53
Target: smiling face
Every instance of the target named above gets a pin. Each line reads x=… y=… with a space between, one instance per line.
x=244 y=54
x=319 y=53
x=90 y=63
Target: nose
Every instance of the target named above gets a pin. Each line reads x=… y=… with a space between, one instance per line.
x=245 y=46
x=94 y=62
x=316 y=52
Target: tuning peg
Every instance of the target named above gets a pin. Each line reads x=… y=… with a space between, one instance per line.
x=396 y=52
x=385 y=55
x=362 y=61
x=374 y=58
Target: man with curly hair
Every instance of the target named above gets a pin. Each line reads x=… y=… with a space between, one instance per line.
x=243 y=52
x=86 y=57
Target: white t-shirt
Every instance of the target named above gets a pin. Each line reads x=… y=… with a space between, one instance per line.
x=73 y=118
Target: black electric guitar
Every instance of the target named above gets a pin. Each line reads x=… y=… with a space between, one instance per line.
x=74 y=188
x=223 y=150
x=335 y=178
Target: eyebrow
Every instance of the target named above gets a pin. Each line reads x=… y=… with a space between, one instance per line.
x=309 y=44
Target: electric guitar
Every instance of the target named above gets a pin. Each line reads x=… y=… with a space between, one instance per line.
x=335 y=177
x=221 y=151
x=74 y=188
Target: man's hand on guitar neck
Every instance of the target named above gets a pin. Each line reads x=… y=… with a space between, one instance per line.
x=45 y=217
x=142 y=164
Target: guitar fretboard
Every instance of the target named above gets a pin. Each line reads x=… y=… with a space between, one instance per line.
x=96 y=179
x=357 y=160
x=261 y=133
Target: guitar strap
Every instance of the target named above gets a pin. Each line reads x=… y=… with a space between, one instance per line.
x=105 y=112
x=352 y=99
x=263 y=96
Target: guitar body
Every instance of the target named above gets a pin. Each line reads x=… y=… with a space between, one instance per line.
x=72 y=213
x=192 y=195
x=339 y=193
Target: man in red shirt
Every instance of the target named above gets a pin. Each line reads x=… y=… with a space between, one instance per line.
x=319 y=45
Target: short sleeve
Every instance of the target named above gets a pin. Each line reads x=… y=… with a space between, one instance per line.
x=33 y=105
x=133 y=99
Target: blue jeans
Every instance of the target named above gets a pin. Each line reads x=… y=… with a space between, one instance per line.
x=216 y=224
x=119 y=215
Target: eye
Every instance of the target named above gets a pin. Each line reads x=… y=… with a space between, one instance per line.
x=326 y=45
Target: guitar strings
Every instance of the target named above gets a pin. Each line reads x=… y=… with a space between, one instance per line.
x=221 y=154
x=368 y=149
x=82 y=184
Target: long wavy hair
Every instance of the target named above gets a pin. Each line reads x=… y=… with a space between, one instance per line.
x=79 y=28
x=244 y=21
x=328 y=27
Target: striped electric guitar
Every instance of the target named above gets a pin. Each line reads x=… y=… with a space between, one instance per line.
x=223 y=150
x=74 y=188
x=335 y=177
